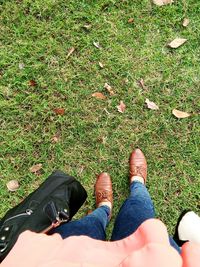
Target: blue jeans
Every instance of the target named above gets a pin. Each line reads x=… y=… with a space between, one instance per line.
x=137 y=208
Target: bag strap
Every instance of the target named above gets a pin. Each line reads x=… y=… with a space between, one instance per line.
x=56 y=217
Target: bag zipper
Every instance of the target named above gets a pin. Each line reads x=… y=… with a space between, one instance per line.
x=27 y=212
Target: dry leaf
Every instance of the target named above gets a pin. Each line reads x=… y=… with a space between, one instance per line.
x=87 y=26
x=126 y=81
x=103 y=140
x=55 y=138
x=162 y=2
x=59 y=111
x=35 y=168
x=151 y=105
x=186 y=22
x=121 y=108
x=106 y=111
x=109 y=89
x=97 y=45
x=12 y=185
x=131 y=20
x=101 y=65
x=81 y=169
x=21 y=66
x=141 y=83
x=180 y=114
x=71 y=51
x=99 y=96
x=32 y=83
x=177 y=42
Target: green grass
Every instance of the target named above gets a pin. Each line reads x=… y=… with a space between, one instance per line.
x=39 y=34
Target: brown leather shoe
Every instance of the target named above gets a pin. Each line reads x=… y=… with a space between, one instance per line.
x=138 y=164
x=103 y=189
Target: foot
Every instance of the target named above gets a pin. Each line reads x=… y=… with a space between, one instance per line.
x=103 y=191
x=138 y=166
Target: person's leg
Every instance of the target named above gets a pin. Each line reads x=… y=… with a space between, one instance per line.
x=92 y=225
x=136 y=209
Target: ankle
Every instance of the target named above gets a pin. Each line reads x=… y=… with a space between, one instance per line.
x=137 y=179
x=105 y=203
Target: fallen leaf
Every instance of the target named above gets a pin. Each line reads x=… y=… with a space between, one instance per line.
x=55 y=138
x=101 y=65
x=126 y=81
x=121 y=108
x=99 y=96
x=162 y=2
x=141 y=83
x=87 y=26
x=177 y=42
x=151 y=105
x=109 y=89
x=21 y=66
x=104 y=140
x=106 y=111
x=32 y=83
x=35 y=168
x=97 y=45
x=186 y=22
x=71 y=51
x=81 y=169
x=59 y=111
x=180 y=114
x=12 y=185
x=131 y=20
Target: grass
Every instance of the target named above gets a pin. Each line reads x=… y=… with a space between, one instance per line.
x=40 y=34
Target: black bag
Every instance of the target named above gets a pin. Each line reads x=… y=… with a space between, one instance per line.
x=56 y=201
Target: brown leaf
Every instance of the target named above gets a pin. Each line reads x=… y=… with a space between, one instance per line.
x=141 y=83
x=32 y=83
x=55 y=138
x=131 y=20
x=103 y=140
x=126 y=81
x=36 y=168
x=97 y=45
x=121 y=108
x=109 y=89
x=59 y=111
x=162 y=2
x=151 y=105
x=177 y=42
x=186 y=22
x=71 y=51
x=180 y=114
x=99 y=96
x=101 y=65
x=12 y=185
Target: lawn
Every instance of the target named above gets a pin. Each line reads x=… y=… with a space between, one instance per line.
x=40 y=72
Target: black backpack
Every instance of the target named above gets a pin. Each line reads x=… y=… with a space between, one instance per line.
x=56 y=201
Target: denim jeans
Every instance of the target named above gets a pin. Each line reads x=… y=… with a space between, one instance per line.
x=137 y=208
